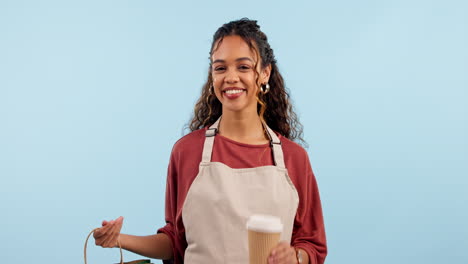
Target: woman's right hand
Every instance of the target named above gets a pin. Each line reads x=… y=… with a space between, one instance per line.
x=108 y=235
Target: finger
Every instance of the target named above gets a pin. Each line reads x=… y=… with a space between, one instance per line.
x=108 y=222
x=98 y=233
x=105 y=222
x=102 y=234
x=99 y=237
x=286 y=257
x=110 y=238
x=280 y=247
x=98 y=242
x=108 y=235
x=120 y=220
x=280 y=256
x=274 y=253
x=118 y=227
x=115 y=233
x=283 y=253
x=110 y=225
x=105 y=229
x=113 y=240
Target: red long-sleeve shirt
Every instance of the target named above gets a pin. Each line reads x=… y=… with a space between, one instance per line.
x=308 y=231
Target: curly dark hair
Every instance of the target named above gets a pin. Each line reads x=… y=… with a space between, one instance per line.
x=274 y=107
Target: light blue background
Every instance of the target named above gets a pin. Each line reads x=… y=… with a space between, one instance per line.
x=93 y=94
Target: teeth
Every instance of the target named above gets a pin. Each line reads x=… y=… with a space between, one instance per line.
x=234 y=91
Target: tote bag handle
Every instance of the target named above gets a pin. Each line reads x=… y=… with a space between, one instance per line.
x=86 y=244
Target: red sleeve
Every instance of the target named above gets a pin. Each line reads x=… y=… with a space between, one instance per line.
x=309 y=230
x=171 y=211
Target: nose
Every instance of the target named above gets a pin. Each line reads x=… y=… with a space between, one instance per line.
x=231 y=77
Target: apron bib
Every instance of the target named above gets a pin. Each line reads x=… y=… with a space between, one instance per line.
x=221 y=199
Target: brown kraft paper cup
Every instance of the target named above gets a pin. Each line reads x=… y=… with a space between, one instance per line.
x=264 y=234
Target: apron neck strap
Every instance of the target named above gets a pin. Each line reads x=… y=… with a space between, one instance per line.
x=209 y=141
x=275 y=144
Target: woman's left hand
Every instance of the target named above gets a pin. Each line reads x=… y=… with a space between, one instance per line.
x=283 y=253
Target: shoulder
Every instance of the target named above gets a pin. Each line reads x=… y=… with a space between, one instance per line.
x=297 y=162
x=296 y=158
x=292 y=149
x=190 y=142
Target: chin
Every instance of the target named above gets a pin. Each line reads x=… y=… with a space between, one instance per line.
x=233 y=110
x=236 y=109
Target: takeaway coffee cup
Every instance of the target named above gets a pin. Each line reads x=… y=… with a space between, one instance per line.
x=264 y=233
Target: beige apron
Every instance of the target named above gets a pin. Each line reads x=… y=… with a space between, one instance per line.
x=221 y=199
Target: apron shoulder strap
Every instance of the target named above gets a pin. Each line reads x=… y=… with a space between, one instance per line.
x=209 y=141
x=275 y=144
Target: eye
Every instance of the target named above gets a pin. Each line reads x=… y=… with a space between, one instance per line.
x=244 y=67
x=220 y=68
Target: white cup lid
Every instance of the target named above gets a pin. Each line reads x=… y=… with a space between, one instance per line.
x=265 y=224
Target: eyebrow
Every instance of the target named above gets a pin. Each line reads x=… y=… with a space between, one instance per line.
x=239 y=59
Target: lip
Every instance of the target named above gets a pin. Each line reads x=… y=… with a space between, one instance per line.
x=232 y=88
x=233 y=96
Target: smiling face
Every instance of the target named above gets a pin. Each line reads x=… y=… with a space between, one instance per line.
x=234 y=75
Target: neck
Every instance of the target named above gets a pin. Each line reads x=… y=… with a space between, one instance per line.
x=242 y=127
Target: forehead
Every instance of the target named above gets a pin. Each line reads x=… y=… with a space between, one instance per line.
x=231 y=48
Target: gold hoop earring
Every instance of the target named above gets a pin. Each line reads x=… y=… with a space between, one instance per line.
x=266 y=90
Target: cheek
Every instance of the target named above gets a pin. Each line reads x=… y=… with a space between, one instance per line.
x=250 y=79
x=216 y=81
x=216 y=89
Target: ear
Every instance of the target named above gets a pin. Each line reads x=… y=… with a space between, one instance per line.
x=266 y=74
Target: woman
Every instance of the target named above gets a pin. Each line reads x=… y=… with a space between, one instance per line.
x=233 y=165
